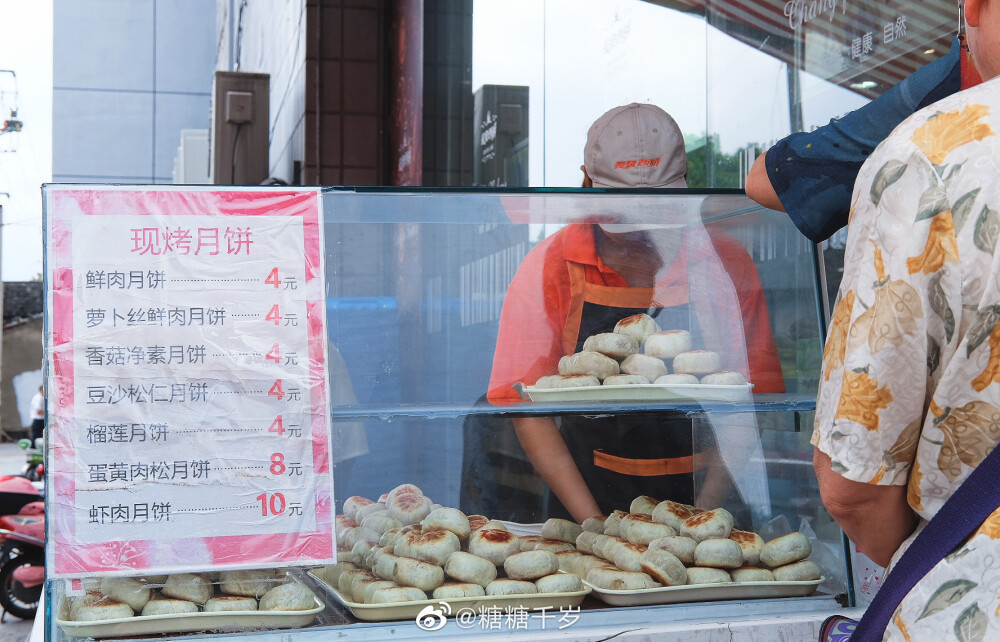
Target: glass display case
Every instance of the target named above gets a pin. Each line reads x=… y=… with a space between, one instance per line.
x=538 y=357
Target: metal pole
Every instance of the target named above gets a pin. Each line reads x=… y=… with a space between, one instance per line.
x=406 y=92
x=795 y=83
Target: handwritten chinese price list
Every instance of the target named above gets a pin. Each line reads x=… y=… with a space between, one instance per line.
x=188 y=356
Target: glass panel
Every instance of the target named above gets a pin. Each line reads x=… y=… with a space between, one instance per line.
x=394 y=276
x=770 y=485
x=834 y=55
x=435 y=296
x=780 y=67
x=737 y=76
x=576 y=59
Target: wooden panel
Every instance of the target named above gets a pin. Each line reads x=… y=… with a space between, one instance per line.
x=240 y=150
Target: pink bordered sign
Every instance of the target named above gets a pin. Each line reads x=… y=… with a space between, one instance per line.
x=187 y=379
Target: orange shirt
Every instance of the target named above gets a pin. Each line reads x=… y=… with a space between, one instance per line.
x=538 y=301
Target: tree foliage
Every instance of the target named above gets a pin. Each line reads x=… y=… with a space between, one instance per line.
x=725 y=167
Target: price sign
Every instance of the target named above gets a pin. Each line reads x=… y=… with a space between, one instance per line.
x=186 y=353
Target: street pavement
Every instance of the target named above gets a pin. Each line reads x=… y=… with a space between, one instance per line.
x=12 y=460
x=14 y=630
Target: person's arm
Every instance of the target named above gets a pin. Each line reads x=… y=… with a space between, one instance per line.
x=717 y=484
x=814 y=172
x=873 y=393
x=529 y=337
x=547 y=451
x=876 y=518
x=759 y=188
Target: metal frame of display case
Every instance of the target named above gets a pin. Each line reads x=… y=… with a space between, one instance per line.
x=792 y=618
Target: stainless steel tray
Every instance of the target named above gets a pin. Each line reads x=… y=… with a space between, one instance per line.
x=451 y=606
x=191 y=623
x=642 y=392
x=705 y=592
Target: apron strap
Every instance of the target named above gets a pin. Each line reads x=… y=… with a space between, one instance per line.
x=581 y=292
x=649 y=467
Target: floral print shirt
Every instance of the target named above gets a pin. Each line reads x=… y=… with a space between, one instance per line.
x=910 y=389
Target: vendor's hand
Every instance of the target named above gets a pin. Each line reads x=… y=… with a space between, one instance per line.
x=547 y=451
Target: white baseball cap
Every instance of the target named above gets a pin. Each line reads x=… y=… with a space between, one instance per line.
x=635 y=145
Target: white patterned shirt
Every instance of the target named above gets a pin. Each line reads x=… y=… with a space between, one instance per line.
x=910 y=390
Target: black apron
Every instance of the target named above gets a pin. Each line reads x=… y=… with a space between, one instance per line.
x=643 y=453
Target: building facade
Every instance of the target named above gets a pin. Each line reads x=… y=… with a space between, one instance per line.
x=128 y=76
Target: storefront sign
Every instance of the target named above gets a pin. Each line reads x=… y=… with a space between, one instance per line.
x=187 y=380
x=800 y=12
x=864 y=46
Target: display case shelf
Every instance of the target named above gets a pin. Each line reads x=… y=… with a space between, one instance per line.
x=390 y=412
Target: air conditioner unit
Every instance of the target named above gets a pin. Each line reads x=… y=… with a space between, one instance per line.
x=191 y=163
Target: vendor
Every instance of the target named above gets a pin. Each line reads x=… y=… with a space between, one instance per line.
x=586 y=278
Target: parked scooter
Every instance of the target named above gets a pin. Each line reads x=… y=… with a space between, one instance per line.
x=22 y=547
x=34 y=467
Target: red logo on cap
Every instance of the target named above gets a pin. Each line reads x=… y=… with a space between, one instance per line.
x=642 y=162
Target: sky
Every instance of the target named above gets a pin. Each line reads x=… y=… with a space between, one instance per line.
x=25 y=49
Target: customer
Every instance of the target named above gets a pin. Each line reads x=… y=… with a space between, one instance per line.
x=811 y=175
x=909 y=400
x=38 y=415
x=584 y=279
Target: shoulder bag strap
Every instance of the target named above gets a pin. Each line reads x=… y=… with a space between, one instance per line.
x=965 y=510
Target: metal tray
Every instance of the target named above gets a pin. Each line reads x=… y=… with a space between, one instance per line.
x=643 y=392
x=705 y=592
x=450 y=607
x=191 y=623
